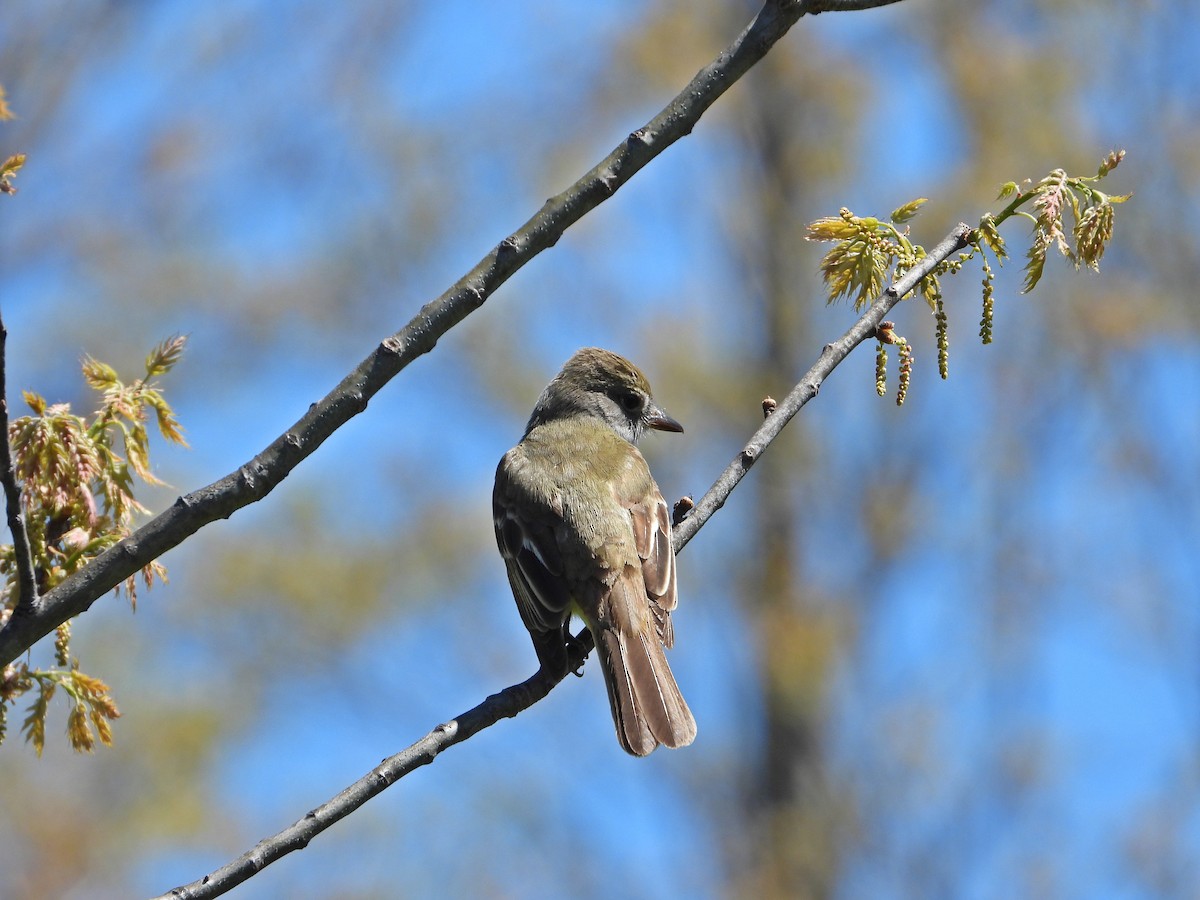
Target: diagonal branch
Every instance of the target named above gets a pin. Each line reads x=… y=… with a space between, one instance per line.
x=512 y=700
x=819 y=6
x=503 y=705
x=27 y=598
x=261 y=475
x=808 y=386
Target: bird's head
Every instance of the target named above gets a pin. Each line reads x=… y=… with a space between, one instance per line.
x=601 y=384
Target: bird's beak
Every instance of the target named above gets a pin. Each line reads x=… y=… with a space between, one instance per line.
x=660 y=421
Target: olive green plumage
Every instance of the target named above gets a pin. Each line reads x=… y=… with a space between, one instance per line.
x=584 y=530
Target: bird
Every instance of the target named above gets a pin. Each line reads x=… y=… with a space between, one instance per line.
x=584 y=530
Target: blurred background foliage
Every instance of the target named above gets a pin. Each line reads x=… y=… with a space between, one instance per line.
x=946 y=650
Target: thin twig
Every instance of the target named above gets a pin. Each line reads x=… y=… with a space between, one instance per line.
x=512 y=700
x=261 y=475
x=27 y=599
x=808 y=386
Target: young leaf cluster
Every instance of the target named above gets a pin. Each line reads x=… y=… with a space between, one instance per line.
x=92 y=706
x=77 y=477
x=1091 y=210
x=867 y=252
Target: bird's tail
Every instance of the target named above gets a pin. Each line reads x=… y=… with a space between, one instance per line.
x=648 y=708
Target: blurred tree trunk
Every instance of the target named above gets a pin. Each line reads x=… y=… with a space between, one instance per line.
x=792 y=809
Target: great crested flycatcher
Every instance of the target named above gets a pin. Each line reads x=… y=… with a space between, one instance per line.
x=584 y=530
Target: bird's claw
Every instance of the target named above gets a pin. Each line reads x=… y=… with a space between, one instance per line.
x=575 y=645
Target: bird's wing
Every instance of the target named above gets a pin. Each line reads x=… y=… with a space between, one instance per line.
x=652 y=539
x=530 y=550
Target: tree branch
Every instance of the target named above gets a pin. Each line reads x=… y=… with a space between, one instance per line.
x=261 y=475
x=504 y=705
x=27 y=599
x=813 y=7
x=808 y=386
x=512 y=700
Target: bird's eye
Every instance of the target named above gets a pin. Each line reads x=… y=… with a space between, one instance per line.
x=631 y=401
